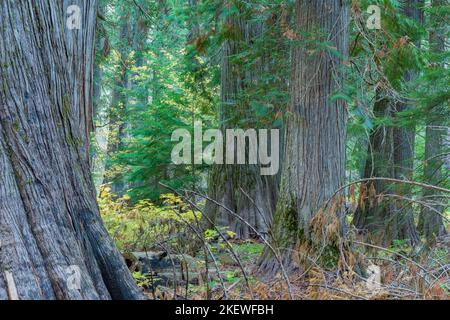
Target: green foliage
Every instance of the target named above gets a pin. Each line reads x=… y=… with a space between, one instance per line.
x=211 y=234
x=142 y=280
x=232 y=276
x=250 y=248
x=143 y=225
x=178 y=83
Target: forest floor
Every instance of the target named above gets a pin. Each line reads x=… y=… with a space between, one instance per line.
x=400 y=278
x=167 y=259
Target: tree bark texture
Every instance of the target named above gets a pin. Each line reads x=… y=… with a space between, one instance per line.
x=50 y=227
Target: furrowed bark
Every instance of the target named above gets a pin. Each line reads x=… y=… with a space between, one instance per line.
x=45 y=183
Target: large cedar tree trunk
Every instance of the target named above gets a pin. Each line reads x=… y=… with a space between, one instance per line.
x=314 y=157
x=50 y=225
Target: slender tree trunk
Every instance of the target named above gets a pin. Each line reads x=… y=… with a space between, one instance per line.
x=432 y=225
x=51 y=234
x=404 y=141
x=374 y=210
x=390 y=154
x=118 y=106
x=314 y=159
x=98 y=75
x=431 y=222
x=140 y=34
x=101 y=51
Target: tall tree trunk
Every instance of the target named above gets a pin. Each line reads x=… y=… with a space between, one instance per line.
x=432 y=225
x=118 y=106
x=390 y=154
x=404 y=141
x=51 y=234
x=140 y=33
x=314 y=160
x=256 y=203
x=374 y=210
x=98 y=75
x=101 y=51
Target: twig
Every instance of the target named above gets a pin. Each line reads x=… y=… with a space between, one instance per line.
x=423 y=185
x=396 y=253
x=207 y=247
